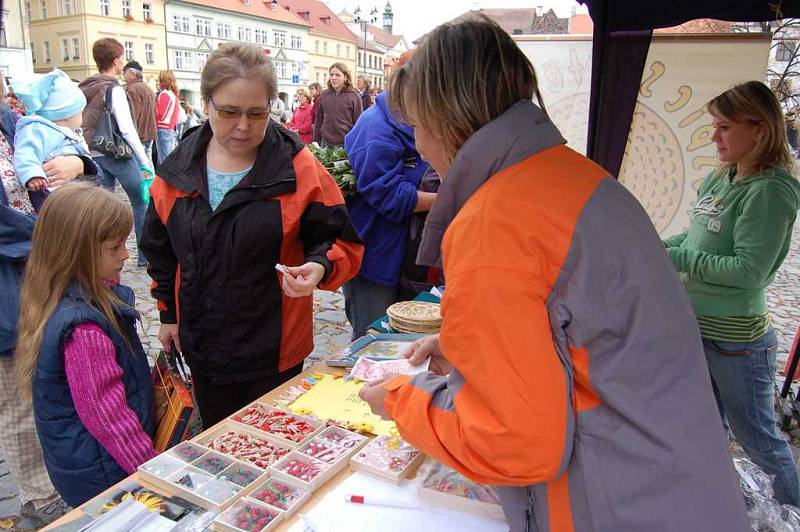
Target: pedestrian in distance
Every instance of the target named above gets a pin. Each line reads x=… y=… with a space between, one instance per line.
x=109 y=56
x=337 y=108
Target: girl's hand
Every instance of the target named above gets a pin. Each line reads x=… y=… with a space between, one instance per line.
x=61 y=169
x=302 y=280
x=167 y=334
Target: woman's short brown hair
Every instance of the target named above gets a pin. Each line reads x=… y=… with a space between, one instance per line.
x=105 y=51
x=465 y=74
x=755 y=103
x=348 y=77
x=237 y=61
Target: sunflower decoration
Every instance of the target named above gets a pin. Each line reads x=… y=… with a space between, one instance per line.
x=151 y=501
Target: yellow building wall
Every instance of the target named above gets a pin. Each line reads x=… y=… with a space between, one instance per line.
x=90 y=25
x=320 y=62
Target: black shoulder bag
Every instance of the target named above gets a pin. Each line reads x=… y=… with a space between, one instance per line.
x=107 y=138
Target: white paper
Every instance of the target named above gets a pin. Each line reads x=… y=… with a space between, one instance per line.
x=332 y=514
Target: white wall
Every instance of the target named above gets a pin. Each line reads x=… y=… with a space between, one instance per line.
x=189 y=47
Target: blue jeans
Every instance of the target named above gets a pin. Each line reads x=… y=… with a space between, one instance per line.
x=167 y=141
x=365 y=302
x=127 y=172
x=148 y=149
x=743 y=375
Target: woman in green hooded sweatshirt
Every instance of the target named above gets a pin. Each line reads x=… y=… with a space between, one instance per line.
x=739 y=235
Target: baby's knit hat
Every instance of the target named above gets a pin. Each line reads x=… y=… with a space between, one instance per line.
x=52 y=96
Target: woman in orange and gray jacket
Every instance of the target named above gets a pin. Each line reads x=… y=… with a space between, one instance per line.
x=569 y=370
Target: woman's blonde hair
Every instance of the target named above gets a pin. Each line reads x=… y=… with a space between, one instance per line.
x=237 y=61
x=166 y=79
x=303 y=93
x=465 y=74
x=74 y=223
x=755 y=103
x=348 y=77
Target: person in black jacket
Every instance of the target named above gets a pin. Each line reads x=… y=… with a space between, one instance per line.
x=238 y=197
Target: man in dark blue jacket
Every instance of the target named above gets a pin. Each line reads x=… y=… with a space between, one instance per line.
x=388 y=172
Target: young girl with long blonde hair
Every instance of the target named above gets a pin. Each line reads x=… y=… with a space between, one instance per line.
x=78 y=355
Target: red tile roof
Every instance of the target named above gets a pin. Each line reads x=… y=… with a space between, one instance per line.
x=383 y=37
x=256 y=8
x=322 y=20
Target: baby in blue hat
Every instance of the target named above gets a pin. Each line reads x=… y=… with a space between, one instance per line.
x=54 y=104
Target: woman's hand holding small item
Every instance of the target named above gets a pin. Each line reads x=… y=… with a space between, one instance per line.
x=300 y=281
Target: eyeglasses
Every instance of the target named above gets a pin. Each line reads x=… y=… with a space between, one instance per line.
x=231 y=114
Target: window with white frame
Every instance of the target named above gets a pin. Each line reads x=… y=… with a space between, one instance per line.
x=347 y=52
x=43 y=8
x=147 y=11
x=245 y=34
x=297 y=42
x=258 y=35
x=316 y=47
x=126 y=8
x=279 y=38
x=46 y=52
x=360 y=59
x=76 y=49
x=186 y=24
x=105 y=7
x=67 y=7
x=338 y=50
x=202 y=57
x=65 y=49
x=203 y=26
x=223 y=30
x=149 y=54
x=179 y=57
x=324 y=47
x=33 y=52
x=28 y=10
x=176 y=23
x=128 y=50
x=280 y=69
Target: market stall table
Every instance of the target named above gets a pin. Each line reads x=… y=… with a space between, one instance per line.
x=268 y=398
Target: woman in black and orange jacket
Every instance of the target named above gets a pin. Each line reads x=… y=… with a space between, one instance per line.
x=239 y=196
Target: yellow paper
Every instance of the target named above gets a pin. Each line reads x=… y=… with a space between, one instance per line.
x=337 y=399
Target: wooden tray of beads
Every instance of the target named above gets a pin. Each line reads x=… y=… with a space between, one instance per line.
x=388 y=457
x=317 y=460
x=244 y=443
x=202 y=476
x=281 y=425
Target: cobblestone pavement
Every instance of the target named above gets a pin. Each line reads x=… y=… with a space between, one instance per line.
x=332 y=333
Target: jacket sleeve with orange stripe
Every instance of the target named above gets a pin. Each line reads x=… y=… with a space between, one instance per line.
x=327 y=233
x=156 y=245
x=502 y=416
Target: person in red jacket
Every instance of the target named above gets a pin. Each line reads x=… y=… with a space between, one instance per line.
x=303 y=118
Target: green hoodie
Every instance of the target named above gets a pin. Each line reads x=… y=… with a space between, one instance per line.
x=739 y=235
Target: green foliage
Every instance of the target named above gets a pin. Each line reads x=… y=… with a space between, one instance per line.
x=335 y=162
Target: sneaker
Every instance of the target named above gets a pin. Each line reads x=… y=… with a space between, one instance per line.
x=47 y=513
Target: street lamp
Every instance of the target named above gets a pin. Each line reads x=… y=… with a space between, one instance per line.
x=373 y=18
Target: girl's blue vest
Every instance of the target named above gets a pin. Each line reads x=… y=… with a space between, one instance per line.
x=78 y=465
